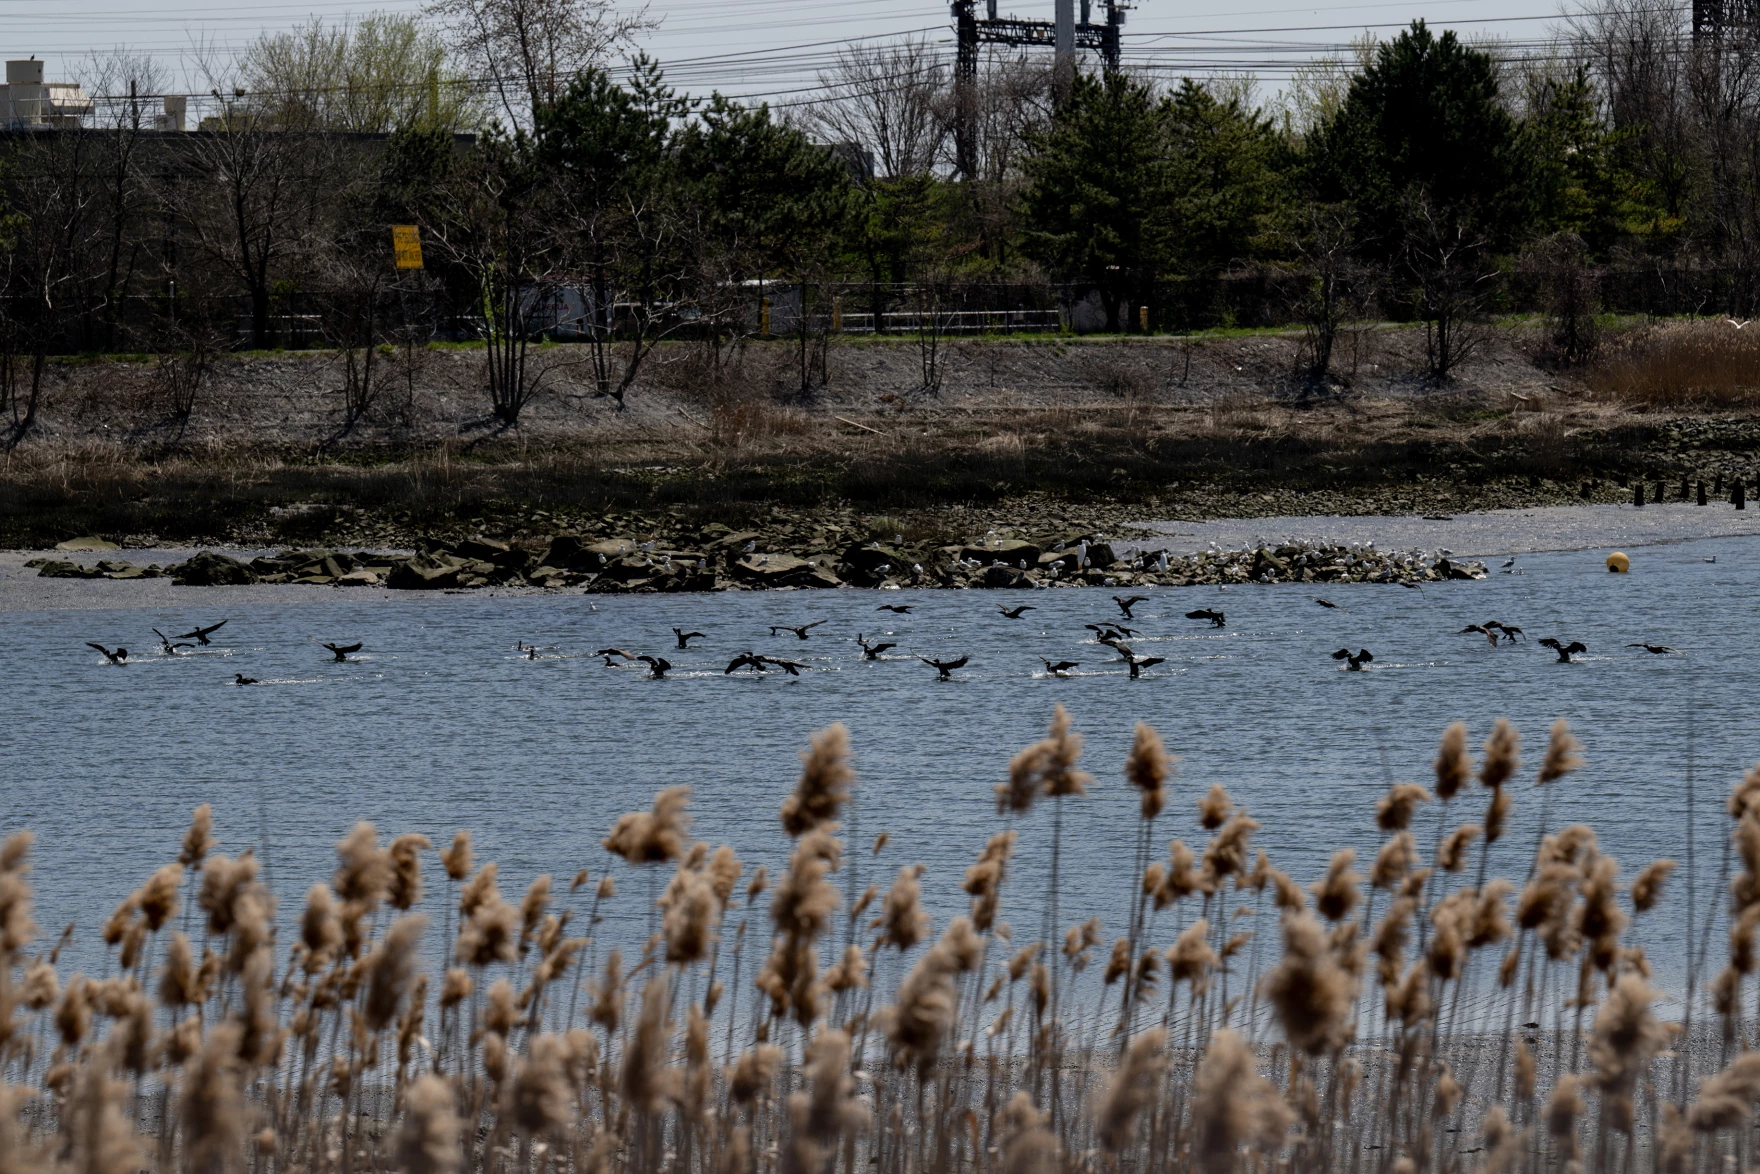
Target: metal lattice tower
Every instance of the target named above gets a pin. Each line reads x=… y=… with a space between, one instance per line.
x=1063 y=35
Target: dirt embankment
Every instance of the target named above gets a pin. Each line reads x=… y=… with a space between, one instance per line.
x=1027 y=434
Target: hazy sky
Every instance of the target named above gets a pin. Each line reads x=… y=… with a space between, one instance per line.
x=774 y=48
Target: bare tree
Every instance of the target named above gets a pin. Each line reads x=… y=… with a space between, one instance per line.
x=1332 y=286
x=529 y=51
x=253 y=192
x=1447 y=258
x=497 y=221
x=125 y=89
x=386 y=72
x=53 y=192
x=888 y=100
x=1010 y=100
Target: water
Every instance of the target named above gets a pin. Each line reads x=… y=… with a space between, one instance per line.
x=441 y=725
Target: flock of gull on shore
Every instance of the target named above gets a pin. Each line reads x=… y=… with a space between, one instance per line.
x=1113 y=634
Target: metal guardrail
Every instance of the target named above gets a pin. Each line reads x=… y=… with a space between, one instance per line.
x=953 y=322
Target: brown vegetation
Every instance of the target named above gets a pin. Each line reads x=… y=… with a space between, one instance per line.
x=1020 y=427
x=1681 y=365
x=1201 y=1047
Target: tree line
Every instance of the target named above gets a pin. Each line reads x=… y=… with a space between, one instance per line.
x=557 y=193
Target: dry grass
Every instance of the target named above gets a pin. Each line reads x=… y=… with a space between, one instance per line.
x=1440 y=1021
x=1705 y=364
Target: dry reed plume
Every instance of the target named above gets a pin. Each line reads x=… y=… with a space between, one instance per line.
x=1428 y=1016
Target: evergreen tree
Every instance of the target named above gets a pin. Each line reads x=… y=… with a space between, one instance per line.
x=1096 y=202
x=1227 y=167
x=1423 y=123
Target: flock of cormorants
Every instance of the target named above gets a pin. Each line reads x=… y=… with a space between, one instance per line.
x=1113 y=634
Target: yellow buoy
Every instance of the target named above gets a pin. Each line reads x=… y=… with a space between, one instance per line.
x=1618 y=563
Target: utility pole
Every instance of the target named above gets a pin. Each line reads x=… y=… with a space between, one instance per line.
x=1063 y=35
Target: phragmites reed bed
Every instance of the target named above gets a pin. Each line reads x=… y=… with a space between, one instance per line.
x=1418 y=1019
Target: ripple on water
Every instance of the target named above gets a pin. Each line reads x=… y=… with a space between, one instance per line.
x=442 y=725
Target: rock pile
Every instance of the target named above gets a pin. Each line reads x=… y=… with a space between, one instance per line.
x=722 y=559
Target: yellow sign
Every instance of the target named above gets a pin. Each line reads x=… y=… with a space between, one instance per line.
x=406 y=242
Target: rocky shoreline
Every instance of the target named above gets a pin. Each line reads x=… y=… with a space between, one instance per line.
x=721 y=558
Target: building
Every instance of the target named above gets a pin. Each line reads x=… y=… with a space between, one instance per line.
x=27 y=102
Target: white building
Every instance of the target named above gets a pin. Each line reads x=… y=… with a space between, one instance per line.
x=27 y=102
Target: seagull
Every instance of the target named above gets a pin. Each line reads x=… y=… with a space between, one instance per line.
x=1216 y=618
x=749 y=546
x=608 y=653
x=1564 y=650
x=120 y=656
x=903 y=609
x=945 y=667
x=800 y=631
x=1125 y=605
x=872 y=651
x=241 y=679
x=657 y=666
x=1654 y=649
x=1014 y=613
x=1363 y=657
x=791 y=667
x=1484 y=630
x=1329 y=603
x=685 y=638
x=1139 y=663
x=746 y=660
x=200 y=635
x=342 y=650
x=166 y=646
x=1737 y=325
x=1061 y=667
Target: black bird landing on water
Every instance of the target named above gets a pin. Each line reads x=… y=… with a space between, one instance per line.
x=1564 y=650
x=1110 y=633
x=1362 y=657
x=1061 y=667
x=1125 y=605
x=1489 y=633
x=1139 y=663
x=1329 y=603
x=1216 y=618
x=657 y=666
x=1510 y=631
x=800 y=631
x=945 y=667
x=120 y=656
x=200 y=635
x=1015 y=613
x=872 y=651
x=342 y=650
x=608 y=653
x=903 y=609
x=166 y=646
x=744 y=660
x=1655 y=649
x=685 y=638
x=241 y=679
x=791 y=667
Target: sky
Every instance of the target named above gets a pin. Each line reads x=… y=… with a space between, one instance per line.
x=774 y=49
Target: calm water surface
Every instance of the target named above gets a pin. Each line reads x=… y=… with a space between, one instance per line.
x=442 y=725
